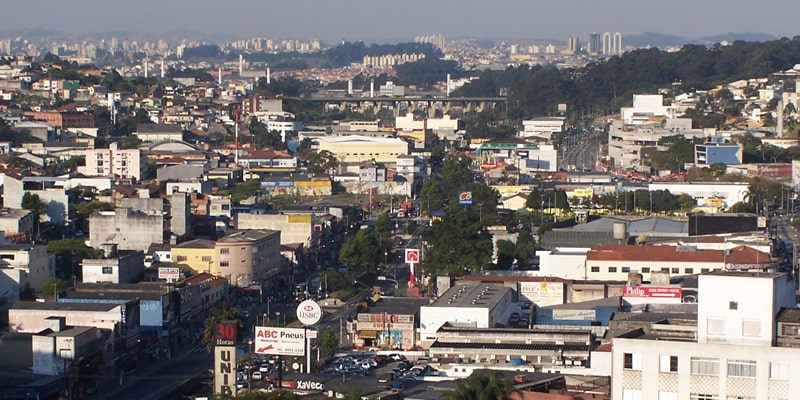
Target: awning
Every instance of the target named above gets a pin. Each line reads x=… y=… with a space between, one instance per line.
x=369 y=334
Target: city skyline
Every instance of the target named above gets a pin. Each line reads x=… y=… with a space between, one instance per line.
x=361 y=20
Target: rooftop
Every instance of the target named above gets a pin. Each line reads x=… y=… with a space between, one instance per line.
x=196 y=244
x=476 y=295
x=35 y=305
x=250 y=235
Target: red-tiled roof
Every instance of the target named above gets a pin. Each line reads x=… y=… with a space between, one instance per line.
x=613 y=252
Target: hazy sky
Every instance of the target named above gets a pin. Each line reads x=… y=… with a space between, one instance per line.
x=376 y=20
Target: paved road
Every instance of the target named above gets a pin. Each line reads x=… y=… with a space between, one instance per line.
x=157 y=380
x=582 y=150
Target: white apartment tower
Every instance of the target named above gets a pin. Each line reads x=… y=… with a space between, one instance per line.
x=617 y=43
x=608 y=44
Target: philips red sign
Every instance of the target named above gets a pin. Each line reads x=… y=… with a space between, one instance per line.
x=671 y=292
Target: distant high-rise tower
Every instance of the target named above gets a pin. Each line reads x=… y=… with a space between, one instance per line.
x=594 y=43
x=572 y=44
x=617 y=43
x=608 y=45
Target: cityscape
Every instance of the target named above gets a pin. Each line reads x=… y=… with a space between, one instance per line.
x=441 y=217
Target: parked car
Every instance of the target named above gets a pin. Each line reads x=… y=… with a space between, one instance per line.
x=257 y=376
x=396 y=357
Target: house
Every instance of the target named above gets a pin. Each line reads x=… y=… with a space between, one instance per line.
x=122 y=267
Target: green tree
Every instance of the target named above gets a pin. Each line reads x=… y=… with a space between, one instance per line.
x=743 y=207
x=459 y=243
x=258 y=395
x=53 y=286
x=361 y=251
x=36 y=206
x=323 y=162
x=505 y=253
x=219 y=315
x=483 y=384
x=87 y=208
x=526 y=248
x=328 y=342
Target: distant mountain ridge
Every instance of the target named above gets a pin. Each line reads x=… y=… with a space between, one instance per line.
x=651 y=39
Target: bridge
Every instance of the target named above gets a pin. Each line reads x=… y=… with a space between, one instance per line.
x=428 y=104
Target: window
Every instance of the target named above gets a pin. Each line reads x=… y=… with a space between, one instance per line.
x=676 y=270
x=668 y=363
x=751 y=328
x=206 y=259
x=705 y=366
x=631 y=394
x=224 y=251
x=226 y=207
x=716 y=326
x=6 y=256
x=181 y=258
x=696 y=396
x=612 y=269
x=664 y=269
x=595 y=269
x=688 y=271
x=779 y=371
x=704 y=270
x=223 y=264
x=632 y=361
x=732 y=305
x=742 y=368
x=108 y=270
x=645 y=270
x=667 y=396
x=626 y=269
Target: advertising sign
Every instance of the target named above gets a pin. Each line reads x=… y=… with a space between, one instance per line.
x=280 y=341
x=573 y=315
x=170 y=274
x=465 y=197
x=225 y=370
x=412 y=256
x=672 y=292
x=543 y=293
x=225 y=333
x=309 y=312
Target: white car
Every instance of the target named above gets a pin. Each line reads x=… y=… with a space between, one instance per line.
x=257 y=376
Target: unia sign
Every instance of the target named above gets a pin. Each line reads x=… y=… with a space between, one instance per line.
x=224 y=380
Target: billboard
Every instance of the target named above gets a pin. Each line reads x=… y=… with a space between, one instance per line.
x=225 y=370
x=671 y=292
x=170 y=274
x=299 y=218
x=280 y=341
x=542 y=293
x=574 y=315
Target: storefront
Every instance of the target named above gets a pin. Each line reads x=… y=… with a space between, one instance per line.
x=385 y=330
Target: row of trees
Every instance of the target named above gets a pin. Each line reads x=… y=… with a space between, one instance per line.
x=603 y=86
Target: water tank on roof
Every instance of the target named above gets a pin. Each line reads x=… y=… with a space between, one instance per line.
x=620 y=231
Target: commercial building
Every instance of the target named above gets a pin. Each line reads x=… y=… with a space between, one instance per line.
x=733 y=354
x=358 y=148
x=159 y=132
x=716 y=151
x=197 y=254
x=468 y=304
x=389 y=323
x=294 y=228
x=249 y=257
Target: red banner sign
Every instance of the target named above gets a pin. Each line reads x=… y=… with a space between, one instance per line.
x=672 y=292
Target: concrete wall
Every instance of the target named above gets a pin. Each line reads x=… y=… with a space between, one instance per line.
x=293 y=228
x=129 y=230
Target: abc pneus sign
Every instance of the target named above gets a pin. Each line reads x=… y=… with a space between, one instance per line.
x=280 y=341
x=309 y=312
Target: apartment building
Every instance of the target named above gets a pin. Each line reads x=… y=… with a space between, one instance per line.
x=123 y=163
x=129 y=229
x=734 y=353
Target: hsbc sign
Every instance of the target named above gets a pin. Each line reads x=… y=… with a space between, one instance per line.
x=309 y=312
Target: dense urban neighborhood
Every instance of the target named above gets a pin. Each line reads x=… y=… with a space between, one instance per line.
x=528 y=220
